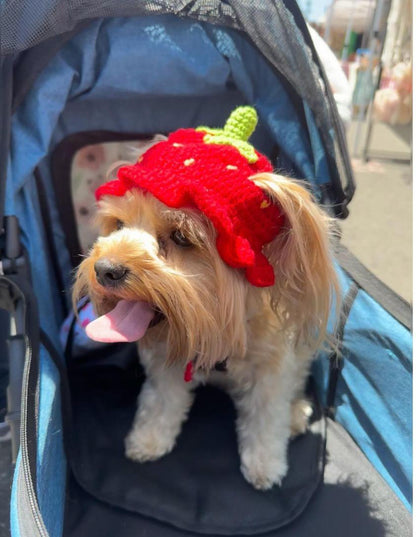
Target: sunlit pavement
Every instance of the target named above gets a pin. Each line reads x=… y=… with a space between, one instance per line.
x=379 y=228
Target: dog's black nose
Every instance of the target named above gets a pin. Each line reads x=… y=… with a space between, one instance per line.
x=109 y=273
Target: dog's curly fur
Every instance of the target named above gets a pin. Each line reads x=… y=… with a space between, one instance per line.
x=268 y=335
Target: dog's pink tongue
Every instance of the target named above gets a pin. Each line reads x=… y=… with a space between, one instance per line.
x=128 y=321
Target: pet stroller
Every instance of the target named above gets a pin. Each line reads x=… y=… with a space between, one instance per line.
x=78 y=74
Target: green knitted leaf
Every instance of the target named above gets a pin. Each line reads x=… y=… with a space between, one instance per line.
x=237 y=130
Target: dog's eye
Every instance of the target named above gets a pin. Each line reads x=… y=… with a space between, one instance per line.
x=119 y=224
x=179 y=238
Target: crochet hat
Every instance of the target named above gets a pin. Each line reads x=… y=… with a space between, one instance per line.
x=209 y=169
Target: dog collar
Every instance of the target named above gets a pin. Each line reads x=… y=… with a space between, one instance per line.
x=209 y=169
x=190 y=369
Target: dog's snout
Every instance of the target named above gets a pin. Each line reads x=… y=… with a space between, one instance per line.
x=109 y=273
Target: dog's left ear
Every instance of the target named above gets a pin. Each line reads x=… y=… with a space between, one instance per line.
x=305 y=280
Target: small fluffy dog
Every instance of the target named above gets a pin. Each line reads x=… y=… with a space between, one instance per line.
x=223 y=271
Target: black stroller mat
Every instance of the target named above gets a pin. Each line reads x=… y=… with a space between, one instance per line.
x=198 y=488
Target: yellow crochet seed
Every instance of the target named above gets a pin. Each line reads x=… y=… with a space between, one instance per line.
x=189 y=161
x=177 y=145
x=264 y=204
x=230 y=167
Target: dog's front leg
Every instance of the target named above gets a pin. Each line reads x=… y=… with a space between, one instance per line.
x=263 y=402
x=163 y=405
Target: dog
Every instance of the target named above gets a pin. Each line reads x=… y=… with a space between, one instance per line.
x=222 y=271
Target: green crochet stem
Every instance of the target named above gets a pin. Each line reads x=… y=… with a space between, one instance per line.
x=237 y=130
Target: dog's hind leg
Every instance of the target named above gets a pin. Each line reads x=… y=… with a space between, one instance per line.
x=264 y=420
x=301 y=412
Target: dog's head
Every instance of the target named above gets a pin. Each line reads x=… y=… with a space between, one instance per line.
x=181 y=267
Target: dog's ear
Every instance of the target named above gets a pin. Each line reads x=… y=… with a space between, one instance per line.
x=305 y=280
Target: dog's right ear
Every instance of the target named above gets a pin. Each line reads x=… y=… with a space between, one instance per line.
x=305 y=278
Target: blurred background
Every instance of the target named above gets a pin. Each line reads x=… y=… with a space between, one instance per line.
x=366 y=48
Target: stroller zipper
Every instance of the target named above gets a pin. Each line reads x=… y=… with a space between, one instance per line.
x=28 y=391
x=17 y=297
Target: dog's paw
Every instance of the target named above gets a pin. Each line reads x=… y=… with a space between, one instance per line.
x=300 y=413
x=263 y=470
x=144 y=444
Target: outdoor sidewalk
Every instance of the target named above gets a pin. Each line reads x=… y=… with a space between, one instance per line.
x=379 y=228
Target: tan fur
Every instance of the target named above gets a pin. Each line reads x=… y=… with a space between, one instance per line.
x=202 y=298
x=269 y=335
x=306 y=282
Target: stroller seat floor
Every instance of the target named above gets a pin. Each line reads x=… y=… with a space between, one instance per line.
x=198 y=488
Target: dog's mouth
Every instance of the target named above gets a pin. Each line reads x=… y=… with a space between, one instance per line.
x=127 y=321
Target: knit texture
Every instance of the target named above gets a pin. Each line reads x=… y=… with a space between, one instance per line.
x=187 y=172
x=237 y=130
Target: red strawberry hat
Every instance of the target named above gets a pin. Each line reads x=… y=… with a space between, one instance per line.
x=209 y=169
